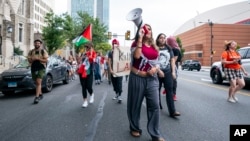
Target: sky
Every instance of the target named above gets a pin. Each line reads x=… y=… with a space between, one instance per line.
x=164 y=16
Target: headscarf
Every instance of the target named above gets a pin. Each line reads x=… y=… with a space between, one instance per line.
x=171 y=41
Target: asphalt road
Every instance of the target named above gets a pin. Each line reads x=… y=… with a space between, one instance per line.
x=206 y=115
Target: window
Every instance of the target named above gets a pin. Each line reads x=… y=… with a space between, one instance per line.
x=248 y=54
x=20 y=32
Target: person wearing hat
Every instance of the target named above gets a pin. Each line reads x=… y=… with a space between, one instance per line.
x=38 y=58
x=85 y=72
x=116 y=81
x=231 y=61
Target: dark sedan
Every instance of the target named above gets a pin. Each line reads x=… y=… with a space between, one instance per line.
x=191 y=65
x=19 y=77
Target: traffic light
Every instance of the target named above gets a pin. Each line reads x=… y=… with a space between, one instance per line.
x=127 y=35
x=109 y=35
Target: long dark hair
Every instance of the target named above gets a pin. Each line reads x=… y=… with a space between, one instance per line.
x=158 y=43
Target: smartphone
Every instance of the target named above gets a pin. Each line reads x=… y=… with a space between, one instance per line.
x=145 y=30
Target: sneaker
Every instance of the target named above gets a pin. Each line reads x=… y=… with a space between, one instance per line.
x=235 y=98
x=36 y=100
x=85 y=104
x=40 y=96
x=119 y=99
x=231 y=100
x=174 y=97
x=175 y=114
x=116 y=96
x=91 y=99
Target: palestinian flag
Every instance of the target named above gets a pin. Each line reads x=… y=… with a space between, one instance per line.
x=85 y=36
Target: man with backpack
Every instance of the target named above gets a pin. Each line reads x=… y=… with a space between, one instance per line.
x=38 y=58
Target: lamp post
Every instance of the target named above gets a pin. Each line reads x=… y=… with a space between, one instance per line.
x=210 y=23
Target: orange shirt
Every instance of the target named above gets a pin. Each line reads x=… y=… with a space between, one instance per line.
x=230 y=56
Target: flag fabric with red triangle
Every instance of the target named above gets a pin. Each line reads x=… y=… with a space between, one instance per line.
x=85 y=36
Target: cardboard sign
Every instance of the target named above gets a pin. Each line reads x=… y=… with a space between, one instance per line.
x=121 y=61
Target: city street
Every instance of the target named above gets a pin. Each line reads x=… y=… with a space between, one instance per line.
x=206 y=115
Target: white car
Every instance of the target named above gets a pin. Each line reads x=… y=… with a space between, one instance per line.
x=218 y=75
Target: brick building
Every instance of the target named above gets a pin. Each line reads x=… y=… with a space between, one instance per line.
x=204 y=41
x=197 y=41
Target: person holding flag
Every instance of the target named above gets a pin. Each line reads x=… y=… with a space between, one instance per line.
x=85 y=70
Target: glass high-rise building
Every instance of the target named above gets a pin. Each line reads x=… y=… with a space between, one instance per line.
x=102 y=11
x=95 y=8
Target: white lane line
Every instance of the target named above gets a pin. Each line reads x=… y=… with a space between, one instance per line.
x=207 y=80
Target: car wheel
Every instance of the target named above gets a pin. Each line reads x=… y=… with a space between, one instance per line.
x=48 y=84
x=216 y=77
x=8 y=92
x=66 y=79
x=198 y=69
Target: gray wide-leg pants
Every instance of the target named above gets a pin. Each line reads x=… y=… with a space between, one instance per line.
x=138 y=88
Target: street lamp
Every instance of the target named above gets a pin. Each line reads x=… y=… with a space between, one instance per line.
x=210 y=23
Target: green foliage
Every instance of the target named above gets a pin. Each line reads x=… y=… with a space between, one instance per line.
x=61 y=30
x=53 y=34
x=238 y=47
x=18 y=51
x=178 y=40
x=103 y=47
x=98 y=29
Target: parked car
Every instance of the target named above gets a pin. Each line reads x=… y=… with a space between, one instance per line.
x=19 y=77
x=218 y=76
x=191 y=65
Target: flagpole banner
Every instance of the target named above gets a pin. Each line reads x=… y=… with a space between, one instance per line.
x=121 y=60
x=84 y=37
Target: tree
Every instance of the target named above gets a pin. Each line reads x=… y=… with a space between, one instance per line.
x=178 y=40
x=103 y=47
x=99 y=38
x=53 y=33
x=63 y=29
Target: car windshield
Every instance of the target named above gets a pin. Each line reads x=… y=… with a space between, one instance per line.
x=23 y=64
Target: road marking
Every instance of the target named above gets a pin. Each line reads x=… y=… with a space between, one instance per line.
x=207 y=80
x=214 y=86
x=94 y=123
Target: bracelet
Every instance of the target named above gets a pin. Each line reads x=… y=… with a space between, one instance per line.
x=137 y=72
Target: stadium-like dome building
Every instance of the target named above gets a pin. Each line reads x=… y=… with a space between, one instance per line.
x=203 y=36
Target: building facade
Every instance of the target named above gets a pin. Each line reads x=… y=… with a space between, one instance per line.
x=95 y=8
x=19 y=21
x=203 y=36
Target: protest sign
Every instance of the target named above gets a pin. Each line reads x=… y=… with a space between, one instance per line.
x=121 y=61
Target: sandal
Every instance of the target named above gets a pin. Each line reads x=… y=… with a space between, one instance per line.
x=135 y=133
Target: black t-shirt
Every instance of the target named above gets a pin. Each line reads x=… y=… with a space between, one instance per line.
x=36 y=66
x=110 y=56
x=177 y=52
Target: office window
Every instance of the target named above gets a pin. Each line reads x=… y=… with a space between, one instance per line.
x=199 y=54
x=20 y=32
